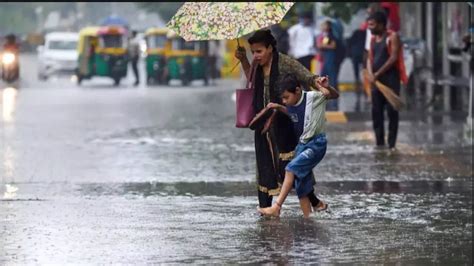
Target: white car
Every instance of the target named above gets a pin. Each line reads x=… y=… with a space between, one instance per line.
x=58 y=55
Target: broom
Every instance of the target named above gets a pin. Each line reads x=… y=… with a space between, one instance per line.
x=391 y=97
x=367 y=88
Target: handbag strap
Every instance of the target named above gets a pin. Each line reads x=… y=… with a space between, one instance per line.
x=253 y=69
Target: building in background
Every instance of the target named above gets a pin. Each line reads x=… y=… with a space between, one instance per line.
x=441 y=26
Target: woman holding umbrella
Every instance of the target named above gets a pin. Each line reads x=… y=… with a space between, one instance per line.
x=232 y=20
x=270 y=65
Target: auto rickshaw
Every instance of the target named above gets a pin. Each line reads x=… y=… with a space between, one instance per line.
x=186 y=60
x=102 y=52
x=157 y=47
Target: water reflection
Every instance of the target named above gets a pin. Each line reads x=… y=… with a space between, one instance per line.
x=8 y=109
x=247 y=189
x=10 y=191
x=285 y=240
x=8 y=103
x=8 y=173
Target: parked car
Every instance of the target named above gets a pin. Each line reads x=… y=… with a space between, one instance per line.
x=58 y=55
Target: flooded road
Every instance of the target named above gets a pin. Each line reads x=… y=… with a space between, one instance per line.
x=98 y=174
x=138 y=223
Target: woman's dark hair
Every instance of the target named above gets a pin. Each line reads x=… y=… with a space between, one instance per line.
x=288 y=82
x=379 y=17
x=329 y=23
x=263 y=36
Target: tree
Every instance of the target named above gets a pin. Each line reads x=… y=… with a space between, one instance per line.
x=165 y=9
x=21 y=18
x=345 y=10
x=291 y=18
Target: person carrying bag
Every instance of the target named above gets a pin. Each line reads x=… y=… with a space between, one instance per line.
x=244 y=102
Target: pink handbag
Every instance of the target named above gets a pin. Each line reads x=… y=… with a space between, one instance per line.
x=244 y=102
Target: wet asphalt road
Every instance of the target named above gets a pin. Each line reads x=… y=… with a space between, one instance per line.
x=104 y=175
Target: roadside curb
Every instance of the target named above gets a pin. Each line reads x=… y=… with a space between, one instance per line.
x=345 y=117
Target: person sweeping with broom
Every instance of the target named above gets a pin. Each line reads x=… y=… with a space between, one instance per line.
x=385 y=71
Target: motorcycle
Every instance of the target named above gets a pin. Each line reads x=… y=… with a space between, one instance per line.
x=10 y=67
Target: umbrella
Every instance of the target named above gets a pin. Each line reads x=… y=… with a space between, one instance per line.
x=196 y=21
x=114 y=21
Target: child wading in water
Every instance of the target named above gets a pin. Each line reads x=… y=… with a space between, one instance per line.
x=307 y=111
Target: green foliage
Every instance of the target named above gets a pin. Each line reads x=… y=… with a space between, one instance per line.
x=20 y=17
x=16 y=17
x=345 y=10
x=291 y=18
x=165 y=9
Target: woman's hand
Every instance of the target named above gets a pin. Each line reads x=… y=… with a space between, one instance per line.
x=241 y=54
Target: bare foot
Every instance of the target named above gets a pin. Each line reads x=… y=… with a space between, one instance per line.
x=322 y=206
x=274 y=210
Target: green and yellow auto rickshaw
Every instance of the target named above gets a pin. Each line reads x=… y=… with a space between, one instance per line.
x=187 y=60
x=158 y=45
x=102 y=52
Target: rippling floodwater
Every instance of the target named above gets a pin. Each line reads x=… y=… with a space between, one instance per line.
x=137 y=223
x=162 y=176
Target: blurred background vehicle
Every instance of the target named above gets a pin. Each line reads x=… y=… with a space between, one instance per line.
x=102 y=52
x=10 y=65
x=187 y=60
x=58 y=55
x=157 y=45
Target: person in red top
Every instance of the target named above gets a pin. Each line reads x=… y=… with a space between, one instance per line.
x=393 y=14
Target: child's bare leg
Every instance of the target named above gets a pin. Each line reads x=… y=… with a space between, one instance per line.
x=305 y=205
x=274 y=210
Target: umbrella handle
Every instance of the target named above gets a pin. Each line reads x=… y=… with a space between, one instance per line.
x=232 y=70
x=239 y=46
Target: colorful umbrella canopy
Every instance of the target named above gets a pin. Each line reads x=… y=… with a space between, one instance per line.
x=225 y=20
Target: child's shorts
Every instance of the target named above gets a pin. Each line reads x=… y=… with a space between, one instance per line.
x=307 y=156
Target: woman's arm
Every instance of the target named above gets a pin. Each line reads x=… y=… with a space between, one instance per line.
x=304 y=76
x=241 y=54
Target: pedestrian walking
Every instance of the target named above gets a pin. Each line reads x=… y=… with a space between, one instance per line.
x=326 y=44
x=307 y=111
x=338 y=32
x=383 y=65
x=355 y=49
x=134 y=53
x=301 y=39
x=270 y=65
